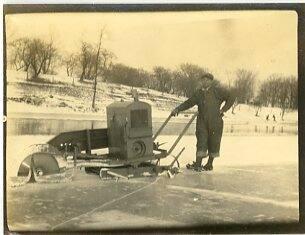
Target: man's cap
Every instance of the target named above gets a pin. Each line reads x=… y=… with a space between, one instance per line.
x=207 y=75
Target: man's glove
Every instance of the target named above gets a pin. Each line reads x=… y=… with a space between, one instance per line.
x=175 y=112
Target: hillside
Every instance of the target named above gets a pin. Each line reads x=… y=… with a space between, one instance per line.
x=60 y=97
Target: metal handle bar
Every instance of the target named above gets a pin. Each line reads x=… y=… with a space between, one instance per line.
x=162 y=127
x=182 y=133
x=164 y=124
x=176 y=158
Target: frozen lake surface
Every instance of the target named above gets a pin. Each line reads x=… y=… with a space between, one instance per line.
x=254 y=181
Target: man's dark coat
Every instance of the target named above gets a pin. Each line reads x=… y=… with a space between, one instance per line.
x=209 y=124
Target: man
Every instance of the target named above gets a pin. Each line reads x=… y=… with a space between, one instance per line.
x=209 y=125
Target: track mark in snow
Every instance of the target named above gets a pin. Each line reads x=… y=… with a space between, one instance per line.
x=106 y=204
x=236 y=196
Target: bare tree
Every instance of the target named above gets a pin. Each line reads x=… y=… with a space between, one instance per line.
x=106 y=62
x=144 y=77
x=234 y=106
x=163 y=77
x=70 y=62
x=86 y=59
x=123 y=74
x=19 y=54
x=272 y=86
x=96 y=67
x=287 y=93
x=243 y=87
x=279 y=90
x=186 y=78
x=293 y=88
x=50 y=56
x=258 y=106
x=38 y=57
x=32 y=55
x=102 y=63
x=283 y=95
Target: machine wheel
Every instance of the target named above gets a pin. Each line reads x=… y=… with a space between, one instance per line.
x=44 y=164
x=138 y=148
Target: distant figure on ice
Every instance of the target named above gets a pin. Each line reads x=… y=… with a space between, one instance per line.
x=274 y=119
x=209 y=125
x=267 y=117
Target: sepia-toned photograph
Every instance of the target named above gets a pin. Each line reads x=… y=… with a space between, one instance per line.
x=160 y=119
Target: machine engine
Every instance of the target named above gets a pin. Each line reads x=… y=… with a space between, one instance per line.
x=129 y=130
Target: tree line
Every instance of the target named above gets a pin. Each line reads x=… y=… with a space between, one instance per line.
x=94 y=62
x=278 y=91
x=34 y=56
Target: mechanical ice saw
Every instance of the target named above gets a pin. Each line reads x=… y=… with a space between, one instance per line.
x=132 y=150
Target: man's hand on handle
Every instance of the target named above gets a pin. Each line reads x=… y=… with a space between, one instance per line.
x=175 y=112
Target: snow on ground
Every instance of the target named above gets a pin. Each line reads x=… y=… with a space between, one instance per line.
x=60 y=96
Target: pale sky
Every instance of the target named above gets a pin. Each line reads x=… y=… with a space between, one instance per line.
x=262 y=41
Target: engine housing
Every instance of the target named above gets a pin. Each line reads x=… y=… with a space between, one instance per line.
x=129 y=130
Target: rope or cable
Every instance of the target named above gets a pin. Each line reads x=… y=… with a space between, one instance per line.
x=107 y=203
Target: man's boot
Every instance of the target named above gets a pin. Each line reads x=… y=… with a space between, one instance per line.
x=209 y=165
x=195 y=165
x=198 y=166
